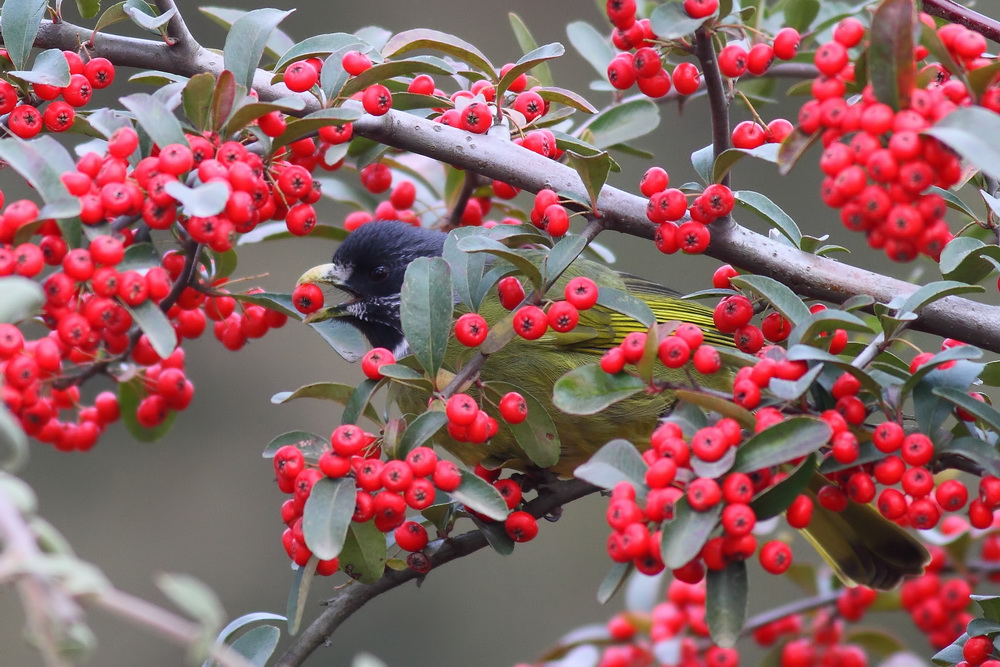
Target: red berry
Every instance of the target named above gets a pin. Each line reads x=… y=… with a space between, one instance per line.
x=530 y=322
x=376 y=100
x=776 y=557
x=513 y=408
x=307 y=298
x=471 y=329
x=521 y=527
x=374 y=360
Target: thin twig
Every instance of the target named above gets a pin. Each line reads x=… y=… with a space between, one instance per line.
x=470 y=181
x=352 y=598
x=177 y=30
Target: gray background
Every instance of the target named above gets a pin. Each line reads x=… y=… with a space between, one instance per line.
x=202 y=501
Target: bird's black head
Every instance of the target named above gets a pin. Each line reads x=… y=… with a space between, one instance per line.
x=370 y=265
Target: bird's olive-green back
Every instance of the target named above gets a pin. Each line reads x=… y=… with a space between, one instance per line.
x=534 y=366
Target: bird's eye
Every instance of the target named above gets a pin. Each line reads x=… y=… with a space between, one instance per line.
x=378 y=274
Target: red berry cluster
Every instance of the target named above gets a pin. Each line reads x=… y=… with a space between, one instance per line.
x=877 y=162
x=641 y=61
x=667 y=206
x=385 y=491
x=26 y=119
x=531 y=321
x=685 y=344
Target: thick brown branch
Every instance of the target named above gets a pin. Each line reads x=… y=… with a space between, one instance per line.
x=355 y=596
x=718 y=101
x=956 y=13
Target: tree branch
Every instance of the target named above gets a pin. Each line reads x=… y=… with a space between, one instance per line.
x=809 y=275
x=718 y=104
x=355 y=596
x=956 y=13
x=177 y=29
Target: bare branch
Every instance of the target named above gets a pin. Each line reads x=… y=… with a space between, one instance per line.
x=956 y=13
x=355 y=596
x=718 y=102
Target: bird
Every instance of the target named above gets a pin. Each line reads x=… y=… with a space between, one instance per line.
x=370 y=265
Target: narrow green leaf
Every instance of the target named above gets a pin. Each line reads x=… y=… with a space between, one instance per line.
x=327 y=515
x=825 y=321
x=246 y=40
x=528 y=44
x=484 y=244
x=794 y=147
x=617 y=461
x=204 y=200
x=990 y=604
x=931 y=292
x=420 y=430
x=495 y=534
x=358 y=404
x=257 y=644
x=481 y=496
x=726 y=602
x=50 y=68
x=535 y=58
x=88 y=8
x=781 y=442
x=297 y=129
x=776 y=499
x=425 y=310
x=784 y=300
x=809 y=353
x=251 y=111
x=197 y=100
x=728 y=158
x=194 y=597
x=40 y=162
x=423 y=38
x=974 y=450
x=397 y=68
x=364 y=554
x=155 y=118
x=19 y=24
x=970 y=132
x=979 y=409
x=624 y=122
x=800 y=14
x=967 y=259
x=684 y=536
x=771 y=212
x=278 y=231
x=345 y=340
x=224 y=99
x=146 y=16
x=567 y=98
x=237 y=624
x=330 y=391
x=320 y=46
x=562 y=255
x=592 y=46
x=13 y=443
x=310 y=444
x=670 y=21
x=587 y=390
x=156 y=326
x=466 y=268
x=891 y=69
x=702 y=161
x=113 y=14
x=612 y=581
x=626 y=304
x=298 y=594
x=536 y=435
x=593 y=171
x=20 y=298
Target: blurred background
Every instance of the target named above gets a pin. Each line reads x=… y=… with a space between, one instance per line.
x=203 y=502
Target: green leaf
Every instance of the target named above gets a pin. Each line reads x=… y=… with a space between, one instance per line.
x=420 y=430
x=224 y=99
x=345 y=340
x=40 y=162
x=702 y=160
x=364 y=554
x=800 y=14
x=466 y=268
x=959 y=352
x=310 y=444
x=113 y=14
x=562 y=255
x=329 y=391
x=481 y=496
x=194 y=597
x=726 y=602
x=990 y=604
x=358 y=403
x=13 y=442
x=257 y=644
x=794 y=147
x=825 y=321
x=496 y=535
x=327 y=515
x=980 y=410
x=969 y=131
x=484 y=244
x=396 y=68
x=246 y=40
x=809 y=353
x=298 y=594
x=950 y=655
x=227 y=633
x=19 y=24
x=156 y=326
x=931 y=292
x=277 y=43
x=535 y=58
x=729 y=157
x=593 y=171
x=20 y=298
x=617 y=461
x=297 y=129
x=612 y=581
x=973 y=450
x=279 y=302
x=155 y=118
x=146 y=17
x=528 y=44
x=626 y=304
x=423 y=38
x=425 y=310
x=784 y=300
x=683 y=537
x=670 y=21
x=776 y=499
x=771 y=212
x=967 y=259
x=197 y=100
x=587 y=390
x=537 y=435
x=624 y=122
x=592 y=46
x=278 y=231
x=891 y=69
x=88 y=8
x=781 y=442
x=50 y=68
x=319 y=46
x=251 y=111
x=204 y=200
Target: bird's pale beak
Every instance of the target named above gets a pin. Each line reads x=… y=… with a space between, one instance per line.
x=333 y=275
